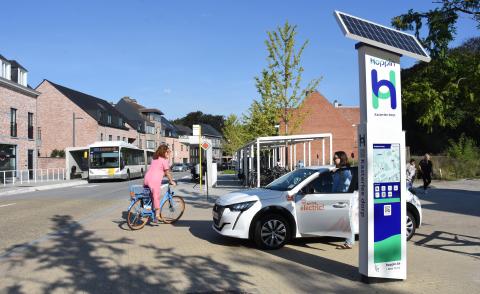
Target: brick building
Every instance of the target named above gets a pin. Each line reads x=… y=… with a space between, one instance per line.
x=17 y=118
x=318 y=115
x=180 y=151
x=147 y=122
x=69 y=118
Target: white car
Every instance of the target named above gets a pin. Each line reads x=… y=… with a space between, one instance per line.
x=298 y=204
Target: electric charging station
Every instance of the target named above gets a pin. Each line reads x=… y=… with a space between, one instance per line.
x=381 y=143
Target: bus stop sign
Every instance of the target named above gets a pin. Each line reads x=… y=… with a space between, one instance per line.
x=205 y=145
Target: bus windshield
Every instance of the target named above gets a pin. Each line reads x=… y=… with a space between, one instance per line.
x=104 y=157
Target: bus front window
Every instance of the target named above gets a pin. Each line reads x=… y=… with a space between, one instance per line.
x=104 y=158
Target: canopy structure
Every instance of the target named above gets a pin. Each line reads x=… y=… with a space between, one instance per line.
x=280 y=150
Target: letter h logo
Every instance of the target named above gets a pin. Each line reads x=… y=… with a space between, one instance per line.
x=376 y=84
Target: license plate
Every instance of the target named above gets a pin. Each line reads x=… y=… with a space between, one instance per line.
x=215 y=214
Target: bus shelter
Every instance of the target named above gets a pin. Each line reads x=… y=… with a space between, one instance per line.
x=283 y=151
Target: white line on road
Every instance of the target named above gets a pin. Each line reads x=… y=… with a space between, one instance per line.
x=85 y=186
x=7 y=204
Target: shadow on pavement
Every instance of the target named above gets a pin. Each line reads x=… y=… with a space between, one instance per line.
x=76 y=260
x=452 y=200
x=202 y=229
x=451 y=242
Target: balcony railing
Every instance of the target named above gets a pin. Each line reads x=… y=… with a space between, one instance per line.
x=12 y=177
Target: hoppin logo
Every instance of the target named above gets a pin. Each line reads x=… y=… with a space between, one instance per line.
x=377 y=84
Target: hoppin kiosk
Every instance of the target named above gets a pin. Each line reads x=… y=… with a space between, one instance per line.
x=382 y=185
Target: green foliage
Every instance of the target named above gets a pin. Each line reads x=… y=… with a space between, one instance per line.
x=57 y=153
x=441 y=99
x=198 y=117
x=441 y=23
x=234 y=133
x=465 y=152
x=280 y=84
x=228 y=172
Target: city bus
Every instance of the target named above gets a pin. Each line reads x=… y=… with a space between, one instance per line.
x=117 y=160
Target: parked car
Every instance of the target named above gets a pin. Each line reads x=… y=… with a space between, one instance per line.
x=179 y=167
x=298 y=204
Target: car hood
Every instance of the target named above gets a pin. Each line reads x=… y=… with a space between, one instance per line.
x=248 y=195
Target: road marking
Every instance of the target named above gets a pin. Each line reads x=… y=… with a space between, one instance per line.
x=85 y=186
x=4 y=205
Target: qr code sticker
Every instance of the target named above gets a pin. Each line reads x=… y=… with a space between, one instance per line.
x=387 y=210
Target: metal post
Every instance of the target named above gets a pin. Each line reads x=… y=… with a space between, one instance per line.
x=258 y=163
x=294 y=156
x=331 y=149
x=269 y=159
x=309 y=153
x=291 y=157
x=304 y=155
x=323 y=151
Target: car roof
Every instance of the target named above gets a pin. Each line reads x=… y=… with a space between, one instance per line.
x=320 y=168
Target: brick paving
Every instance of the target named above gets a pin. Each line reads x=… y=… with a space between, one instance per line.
x=99 y=254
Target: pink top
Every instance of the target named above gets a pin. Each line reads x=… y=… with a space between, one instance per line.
x=155 y=173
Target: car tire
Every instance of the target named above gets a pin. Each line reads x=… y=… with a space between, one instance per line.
x=272 y=231
x=411 y=225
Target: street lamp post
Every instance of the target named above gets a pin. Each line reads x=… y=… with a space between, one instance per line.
x=73 y=128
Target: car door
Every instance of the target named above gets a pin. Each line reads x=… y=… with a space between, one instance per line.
x=322 y=212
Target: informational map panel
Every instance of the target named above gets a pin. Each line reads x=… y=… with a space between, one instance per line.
x=387 y=205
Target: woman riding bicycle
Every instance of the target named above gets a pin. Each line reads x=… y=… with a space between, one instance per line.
x=154 y=176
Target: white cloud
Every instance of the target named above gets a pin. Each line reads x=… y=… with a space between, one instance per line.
x=167 y=91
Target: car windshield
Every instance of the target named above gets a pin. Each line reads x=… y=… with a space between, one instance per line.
x=291 y=180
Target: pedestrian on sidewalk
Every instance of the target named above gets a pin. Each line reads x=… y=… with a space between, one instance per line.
x=426 y=167
x=342 y=178
x=411 y=173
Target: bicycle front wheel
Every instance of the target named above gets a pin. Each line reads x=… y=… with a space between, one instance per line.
x=135 y=218
x=172 y=210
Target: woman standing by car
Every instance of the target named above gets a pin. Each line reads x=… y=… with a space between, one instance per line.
x=342 y=177
x=154 y=176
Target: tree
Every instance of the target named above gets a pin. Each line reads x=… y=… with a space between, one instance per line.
x=441 y=23
x=234 y=135
x=280 y=83
x=198 y=117
x=441 y=99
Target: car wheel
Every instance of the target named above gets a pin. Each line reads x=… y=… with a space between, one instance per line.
x=411 y=225
x=271 y=232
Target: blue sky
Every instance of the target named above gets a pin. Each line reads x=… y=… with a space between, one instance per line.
x=182 y=56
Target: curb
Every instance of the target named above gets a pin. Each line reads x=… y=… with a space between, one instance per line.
x=42 y=188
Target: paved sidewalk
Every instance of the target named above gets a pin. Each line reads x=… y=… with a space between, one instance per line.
x=39 y=186
x=100 y=254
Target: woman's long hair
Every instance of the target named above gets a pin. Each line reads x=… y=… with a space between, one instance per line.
x=343 y=158
x=161 y=152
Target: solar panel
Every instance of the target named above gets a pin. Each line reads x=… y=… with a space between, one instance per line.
x=380 y=36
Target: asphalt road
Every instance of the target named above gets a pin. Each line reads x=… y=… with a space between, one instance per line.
x=28 y=217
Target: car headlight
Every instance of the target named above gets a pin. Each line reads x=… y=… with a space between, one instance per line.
x=242 y=206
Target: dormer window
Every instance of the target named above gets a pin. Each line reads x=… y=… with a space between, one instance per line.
x=22 y=77
x=5 y=70
x=109 y=119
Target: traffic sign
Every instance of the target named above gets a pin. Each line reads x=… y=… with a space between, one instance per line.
x=205 y=145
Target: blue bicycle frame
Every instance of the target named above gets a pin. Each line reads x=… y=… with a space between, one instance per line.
x=146 y=196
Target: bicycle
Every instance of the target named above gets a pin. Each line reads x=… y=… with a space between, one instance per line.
x=140 y=209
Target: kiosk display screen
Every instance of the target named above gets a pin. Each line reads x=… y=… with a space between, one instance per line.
x=387 y=205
